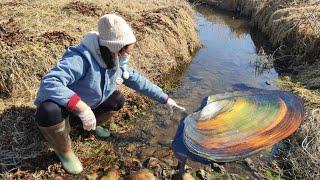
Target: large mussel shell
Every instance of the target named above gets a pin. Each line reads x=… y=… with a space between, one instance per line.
x=235 y=125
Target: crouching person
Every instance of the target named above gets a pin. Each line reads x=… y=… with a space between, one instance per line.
x=83 y=86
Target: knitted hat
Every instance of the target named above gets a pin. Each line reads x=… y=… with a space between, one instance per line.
x=114 y=32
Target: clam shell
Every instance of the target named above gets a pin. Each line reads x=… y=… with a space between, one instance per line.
x=235 y=125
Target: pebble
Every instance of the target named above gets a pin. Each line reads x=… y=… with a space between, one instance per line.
x=143 y=174
x=218 y=168
x=92 y=176
x=202 y=174
x=111 y=175
x=187 y=176
x=250 y=163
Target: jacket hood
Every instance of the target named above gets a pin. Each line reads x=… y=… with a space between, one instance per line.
x=91 y=42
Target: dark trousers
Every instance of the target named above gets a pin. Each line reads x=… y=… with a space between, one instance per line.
x=50 y=113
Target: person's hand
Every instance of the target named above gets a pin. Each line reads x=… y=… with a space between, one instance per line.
x=171 y=103
x=119 y=80
x=88 y=119
x=126 y=75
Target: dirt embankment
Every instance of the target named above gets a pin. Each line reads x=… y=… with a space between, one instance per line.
x=33 y=37
x=293 y=28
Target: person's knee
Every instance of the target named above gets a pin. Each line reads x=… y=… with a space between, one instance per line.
x=48 y=114
x=119 y=99
x=116 y=101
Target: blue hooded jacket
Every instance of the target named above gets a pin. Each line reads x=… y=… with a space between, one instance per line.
x=82 y=72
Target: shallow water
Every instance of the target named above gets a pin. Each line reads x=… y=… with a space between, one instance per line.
x=227 y=58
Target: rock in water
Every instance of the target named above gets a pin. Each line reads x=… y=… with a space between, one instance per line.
x=235 y=125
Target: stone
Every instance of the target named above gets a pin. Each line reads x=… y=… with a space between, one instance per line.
x=143 y=174
x=250 y=163
x=187 y=176
x=164 y=173
x=218 y=168
x=92 y=176
x=111 y=175
x=202 y=174
x=58 y=178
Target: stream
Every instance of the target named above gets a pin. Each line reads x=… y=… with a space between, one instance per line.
x=229 y=56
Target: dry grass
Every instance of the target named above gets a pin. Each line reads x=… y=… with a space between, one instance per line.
x=301 y=159
x=33 y=37
x=34 y=34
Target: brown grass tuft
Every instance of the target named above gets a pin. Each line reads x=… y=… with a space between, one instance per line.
x=58 y=37
x=88 y=9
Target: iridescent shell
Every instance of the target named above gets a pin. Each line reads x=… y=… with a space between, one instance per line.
x=235 y=125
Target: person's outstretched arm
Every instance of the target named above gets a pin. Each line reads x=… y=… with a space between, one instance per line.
x=142 y=85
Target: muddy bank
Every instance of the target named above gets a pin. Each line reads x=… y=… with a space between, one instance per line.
x=292 y=27
x=33 y=37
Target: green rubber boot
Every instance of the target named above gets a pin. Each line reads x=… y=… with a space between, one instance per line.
x=102 y=132
x=58 y=137
x=102 y=119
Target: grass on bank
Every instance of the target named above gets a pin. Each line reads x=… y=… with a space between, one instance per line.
x=300 y=158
